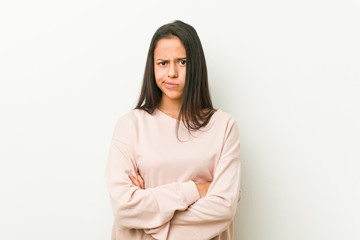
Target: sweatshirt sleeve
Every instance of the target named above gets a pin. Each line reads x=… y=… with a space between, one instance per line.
x=211 y=215
x=133 y=207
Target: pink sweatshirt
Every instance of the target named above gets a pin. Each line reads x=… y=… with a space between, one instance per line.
x=170 y=206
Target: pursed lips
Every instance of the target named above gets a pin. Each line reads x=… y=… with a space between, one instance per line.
x=170 y=85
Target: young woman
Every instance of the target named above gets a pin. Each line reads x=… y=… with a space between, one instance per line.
x=173 y=169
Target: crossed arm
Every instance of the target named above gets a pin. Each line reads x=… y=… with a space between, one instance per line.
x=139 y=182
x=178 y=210
x=206 y=218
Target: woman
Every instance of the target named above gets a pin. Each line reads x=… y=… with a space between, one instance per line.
x=173 y=169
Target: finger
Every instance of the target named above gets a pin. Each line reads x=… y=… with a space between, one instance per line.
x=134 y=181
x=131 y=178
x=141 y=181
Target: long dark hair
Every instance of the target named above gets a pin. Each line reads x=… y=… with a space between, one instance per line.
x=196 y=95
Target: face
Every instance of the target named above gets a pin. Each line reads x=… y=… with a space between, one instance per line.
x=170 y=68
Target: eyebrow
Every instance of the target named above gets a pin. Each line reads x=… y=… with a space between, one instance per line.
x=159 y=59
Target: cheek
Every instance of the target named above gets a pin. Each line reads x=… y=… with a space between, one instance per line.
x=183 y=74
x=159 y=73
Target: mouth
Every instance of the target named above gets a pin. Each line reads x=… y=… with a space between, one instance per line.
x=170 y=85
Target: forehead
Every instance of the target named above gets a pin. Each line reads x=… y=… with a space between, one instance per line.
x=169 y=47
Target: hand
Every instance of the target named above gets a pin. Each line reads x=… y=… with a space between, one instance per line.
x=138 y=181
x=203 y=188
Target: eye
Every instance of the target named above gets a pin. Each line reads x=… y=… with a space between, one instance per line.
x=182 y=62
x=162 y=63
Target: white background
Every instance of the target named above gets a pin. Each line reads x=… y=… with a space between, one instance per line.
x=288 y=71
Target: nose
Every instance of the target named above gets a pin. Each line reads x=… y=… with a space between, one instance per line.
x=172 y=71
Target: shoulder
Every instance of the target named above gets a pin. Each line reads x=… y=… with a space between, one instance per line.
x=132 y=118
x=229 y=128
x=127 y=125
x=129 y=117
x=225 y=123
x=224 y=117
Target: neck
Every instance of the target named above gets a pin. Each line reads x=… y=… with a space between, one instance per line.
x=170 y=107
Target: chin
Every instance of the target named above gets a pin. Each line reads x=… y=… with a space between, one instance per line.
x=173 y=96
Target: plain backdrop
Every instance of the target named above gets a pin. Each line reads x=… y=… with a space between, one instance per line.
x=288 y=71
